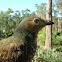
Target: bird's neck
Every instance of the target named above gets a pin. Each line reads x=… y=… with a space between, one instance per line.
x=22 y=33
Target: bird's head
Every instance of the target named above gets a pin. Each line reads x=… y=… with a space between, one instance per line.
x=33 y=25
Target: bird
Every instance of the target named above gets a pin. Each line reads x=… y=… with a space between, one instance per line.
x=21 y=46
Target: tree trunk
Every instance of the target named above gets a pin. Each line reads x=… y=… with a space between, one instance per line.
x=49 y=27
x=59 y=25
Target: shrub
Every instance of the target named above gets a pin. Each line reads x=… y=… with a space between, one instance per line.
x=56 y=37
x=59 y=49
x=41 y=37
x=47 y=56
x=5 y=35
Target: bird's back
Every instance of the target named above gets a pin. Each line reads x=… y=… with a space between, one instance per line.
x=9 y=49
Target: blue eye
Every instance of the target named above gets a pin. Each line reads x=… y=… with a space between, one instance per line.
x=36 y=21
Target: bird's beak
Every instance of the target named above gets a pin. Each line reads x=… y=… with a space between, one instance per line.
x=49 y=23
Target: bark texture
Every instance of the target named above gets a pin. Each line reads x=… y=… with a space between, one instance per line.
x=48 y=27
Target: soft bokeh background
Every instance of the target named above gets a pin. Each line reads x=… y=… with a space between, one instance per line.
x=12 y=12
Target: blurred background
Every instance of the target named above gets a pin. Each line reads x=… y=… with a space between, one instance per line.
x=12 y=12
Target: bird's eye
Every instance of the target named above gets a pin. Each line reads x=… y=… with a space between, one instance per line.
x=36 y=20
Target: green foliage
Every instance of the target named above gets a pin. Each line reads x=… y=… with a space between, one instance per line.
x=10 y=19
x=56 y=37
x=27 y=13
x=8 y=34
x=41 y=10
x=47 y=56
x=59 y=49
x=41 y=37
x=6 y=20
x=5 y=35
